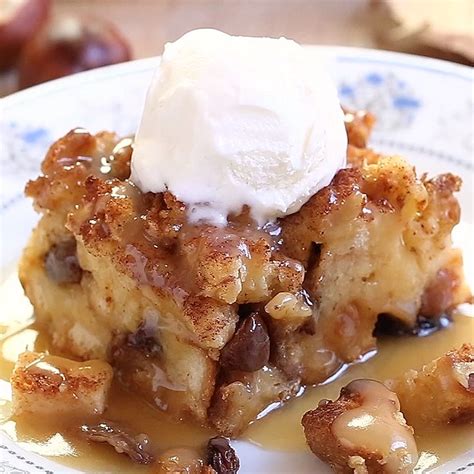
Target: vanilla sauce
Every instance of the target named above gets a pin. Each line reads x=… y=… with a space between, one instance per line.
x=280 y=430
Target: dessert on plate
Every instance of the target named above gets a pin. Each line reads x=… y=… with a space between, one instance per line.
x=244 y=244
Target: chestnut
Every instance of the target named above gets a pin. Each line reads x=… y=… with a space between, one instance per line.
x=20 y=20
x=69 y=45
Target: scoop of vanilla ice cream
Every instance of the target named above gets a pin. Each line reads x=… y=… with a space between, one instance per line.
x=232 y=121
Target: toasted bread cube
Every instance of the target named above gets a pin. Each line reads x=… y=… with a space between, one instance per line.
x=441 y=391
x=363 y=431
x=43 y=384
x=359 y=125
x=239 y=401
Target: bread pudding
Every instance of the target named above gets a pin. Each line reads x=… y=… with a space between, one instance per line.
x=218 y=323
x=244 y=244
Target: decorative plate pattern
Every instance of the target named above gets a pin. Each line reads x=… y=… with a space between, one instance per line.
x=424 y=110
x=386 y=95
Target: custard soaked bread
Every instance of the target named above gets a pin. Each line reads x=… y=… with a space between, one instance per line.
x=336 y=433
x=441 y=392
x=217 y=323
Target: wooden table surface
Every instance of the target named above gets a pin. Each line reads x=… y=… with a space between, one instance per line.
x=149 y=24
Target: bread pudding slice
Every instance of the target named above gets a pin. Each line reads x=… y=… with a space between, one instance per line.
x=217 y=323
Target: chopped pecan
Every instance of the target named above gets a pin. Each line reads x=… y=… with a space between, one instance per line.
x=135 y=447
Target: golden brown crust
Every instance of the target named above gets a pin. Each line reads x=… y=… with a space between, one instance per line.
x=46 y=384
x=30 y=381
x=68 y=163
x=322 y=442
x=441 y=392
x=359 y=124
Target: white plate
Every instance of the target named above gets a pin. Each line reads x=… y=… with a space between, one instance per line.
x=424 y=109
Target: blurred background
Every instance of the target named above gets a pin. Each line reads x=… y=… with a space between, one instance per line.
x=45 y=39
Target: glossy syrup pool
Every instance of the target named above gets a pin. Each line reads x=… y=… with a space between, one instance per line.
x=279 y=430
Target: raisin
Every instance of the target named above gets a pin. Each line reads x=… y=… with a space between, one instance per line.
x=249 y=348
x=314 y=256
x=144 y=339
x=61 y=263
x=221 y=456
x=387 y=325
